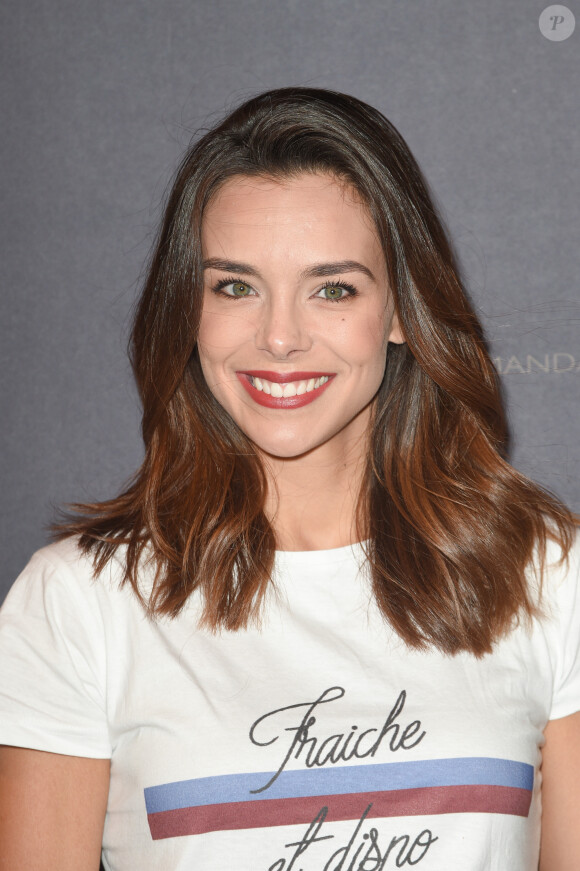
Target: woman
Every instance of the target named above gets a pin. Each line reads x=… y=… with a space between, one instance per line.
x=327 y=626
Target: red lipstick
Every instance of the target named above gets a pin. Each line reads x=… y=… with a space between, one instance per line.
x=286 y=402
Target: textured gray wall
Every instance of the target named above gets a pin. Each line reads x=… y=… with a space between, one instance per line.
x=98 y=102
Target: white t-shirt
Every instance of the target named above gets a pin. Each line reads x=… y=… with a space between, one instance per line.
x=318 y=742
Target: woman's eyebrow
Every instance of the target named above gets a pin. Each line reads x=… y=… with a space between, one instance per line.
x=319 y=270
x=229 y=266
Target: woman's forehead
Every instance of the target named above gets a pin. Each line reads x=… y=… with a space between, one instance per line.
x=320 y=204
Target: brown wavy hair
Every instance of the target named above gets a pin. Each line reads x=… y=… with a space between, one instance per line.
x=450 y=526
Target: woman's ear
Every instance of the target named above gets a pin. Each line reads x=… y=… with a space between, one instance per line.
x=396 y=334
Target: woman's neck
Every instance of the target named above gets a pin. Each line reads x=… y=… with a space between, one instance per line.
x=312 y=500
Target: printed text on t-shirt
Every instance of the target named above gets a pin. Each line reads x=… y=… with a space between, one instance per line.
x=317 y=750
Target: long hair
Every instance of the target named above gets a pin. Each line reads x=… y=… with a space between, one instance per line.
x=450 y=526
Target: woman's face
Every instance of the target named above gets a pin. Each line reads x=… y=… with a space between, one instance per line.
x=297 y=312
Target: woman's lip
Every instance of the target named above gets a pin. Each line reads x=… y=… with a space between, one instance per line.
x=284 y=377
x=287 y=402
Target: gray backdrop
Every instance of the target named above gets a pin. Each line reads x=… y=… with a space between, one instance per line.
x=99 y=101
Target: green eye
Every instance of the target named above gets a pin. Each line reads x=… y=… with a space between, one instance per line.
x=333 y=291
x=240 y=289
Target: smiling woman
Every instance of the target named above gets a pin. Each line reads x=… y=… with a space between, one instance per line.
x=286 y=330
x=327 y=623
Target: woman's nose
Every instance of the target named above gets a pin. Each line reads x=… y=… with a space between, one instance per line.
x=282 y=329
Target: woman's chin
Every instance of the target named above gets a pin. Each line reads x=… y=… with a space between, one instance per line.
x=285 y=452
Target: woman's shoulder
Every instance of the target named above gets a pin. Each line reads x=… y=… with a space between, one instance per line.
x=556 y=633
x=67 y=561
x=53 y=639
x=556 y=577
x=62 y=556
x=64 y=571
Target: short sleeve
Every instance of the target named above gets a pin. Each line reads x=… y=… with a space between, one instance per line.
x=562 y=588
x=52 y=659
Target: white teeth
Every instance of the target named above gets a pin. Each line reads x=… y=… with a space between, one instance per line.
x=289 y=389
